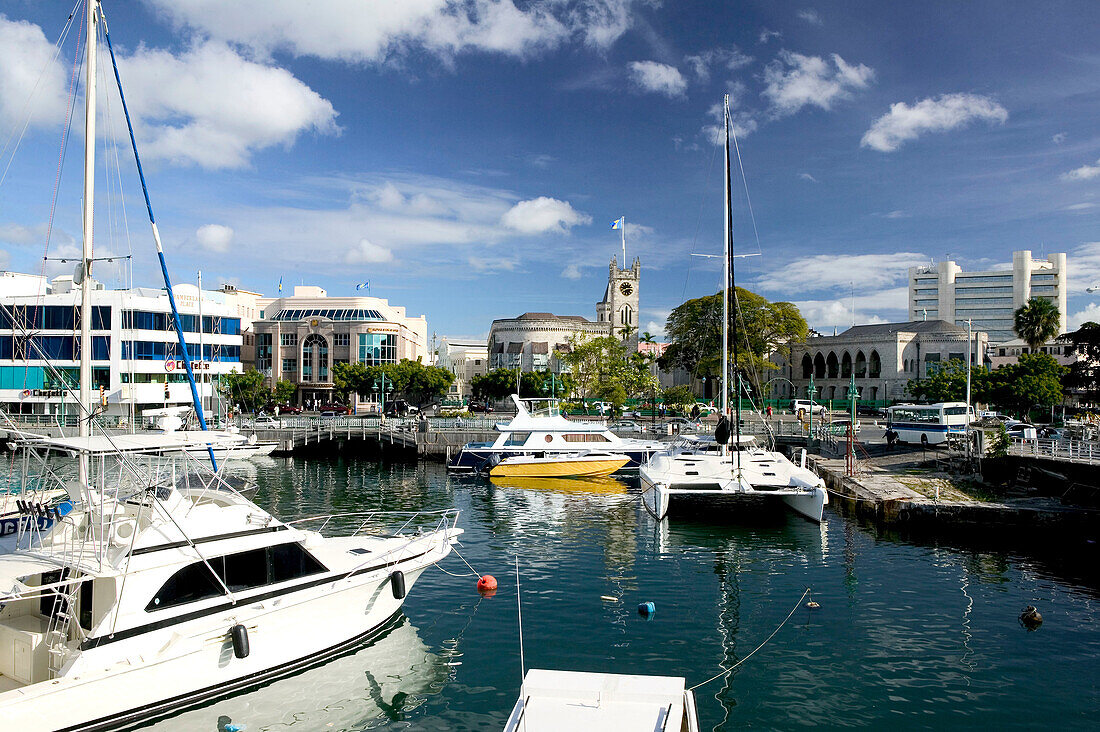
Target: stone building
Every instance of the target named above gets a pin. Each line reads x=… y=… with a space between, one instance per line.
x=299 y=338
x=619 y=307
x=883 y=357
x=465 y=359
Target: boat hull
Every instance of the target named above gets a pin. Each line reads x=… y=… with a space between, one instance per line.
x=475 y=459
x=196 y=661
x=559 y=468
x=659 y=499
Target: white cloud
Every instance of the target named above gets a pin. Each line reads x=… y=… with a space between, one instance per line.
x=1059 y=138
x=766 y=35
x=810 y=16
x=571 y=272
x=1090 y=314
x=655 y=329
x=794 y=81
x=27 y=61
x=807 y=177
x=650 y=76
x=829 y=271
x=881 y=306
x=22 y=235
x=903 y=123
x=1085 y=271
x=214 y=237
x=730 y=58
x=367 y=252
x=1079 y=207
x=1085 y=172
x=5 y=259
x=543 y=215
x=896 y=214
x=377 y=32
x=212 y=107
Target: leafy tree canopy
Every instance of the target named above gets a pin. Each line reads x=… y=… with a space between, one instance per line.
x=1035 y=379
x=1084 y=373
x=246 y=389
x=948 y=383
x=695 y=333
x=411 y=379
x=1036 y=322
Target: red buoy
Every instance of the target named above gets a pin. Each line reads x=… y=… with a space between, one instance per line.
x=487 y=583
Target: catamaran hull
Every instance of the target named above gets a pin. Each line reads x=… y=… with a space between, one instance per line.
x=473 y=460
x=322 y=622
x=658 y=499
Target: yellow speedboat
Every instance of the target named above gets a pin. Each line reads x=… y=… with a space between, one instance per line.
x=572 y=465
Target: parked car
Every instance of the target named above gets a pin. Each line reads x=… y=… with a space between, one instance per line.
x=625 y=425
x=802 y=407
x=839 y=427
x=602 y=407
x=1024 y=431
x=267 y=422
x=333 y=408
x=681 y=424
x=400 y=408
x=869 y=410
x=705 y=409
x=485 y=407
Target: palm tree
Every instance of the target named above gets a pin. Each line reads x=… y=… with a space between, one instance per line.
x=647 y=337
x=1036 y=322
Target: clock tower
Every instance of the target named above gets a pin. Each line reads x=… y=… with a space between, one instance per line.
x=619 y=307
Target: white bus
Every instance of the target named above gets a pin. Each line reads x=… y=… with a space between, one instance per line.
x=928 y=424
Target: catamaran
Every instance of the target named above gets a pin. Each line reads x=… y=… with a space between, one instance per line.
x=161 y=586
x=730 y=472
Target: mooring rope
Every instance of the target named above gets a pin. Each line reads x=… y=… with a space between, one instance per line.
x=754 y=650
x=476 y=573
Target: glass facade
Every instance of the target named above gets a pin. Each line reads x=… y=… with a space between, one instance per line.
x=159 y=351
x=375 y=348
x=145 y=320
x=52 y=317
x=328 y=313
x=52 y=348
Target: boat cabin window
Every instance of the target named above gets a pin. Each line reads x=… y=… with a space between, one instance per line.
x=242 y=571
x=585 y=437
x=517 y=438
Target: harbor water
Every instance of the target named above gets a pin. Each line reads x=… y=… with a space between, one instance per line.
x=910 y=634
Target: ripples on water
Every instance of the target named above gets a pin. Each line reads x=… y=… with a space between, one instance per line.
x=910 y=635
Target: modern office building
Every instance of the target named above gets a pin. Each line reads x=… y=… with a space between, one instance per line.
x=465 y=359
x=136 y=360
x=988 y=299
x=299 y=338
x=883 y=357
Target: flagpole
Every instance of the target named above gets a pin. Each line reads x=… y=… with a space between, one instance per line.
x=623 y=219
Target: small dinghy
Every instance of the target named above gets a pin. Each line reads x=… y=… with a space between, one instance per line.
x=579 y=701
x=581 y=465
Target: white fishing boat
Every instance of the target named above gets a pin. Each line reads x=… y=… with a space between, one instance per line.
x=539 y=428
x=163 y=587
x=729 y=473
x=595 y=702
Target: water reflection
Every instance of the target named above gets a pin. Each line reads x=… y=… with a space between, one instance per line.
x=381 y=683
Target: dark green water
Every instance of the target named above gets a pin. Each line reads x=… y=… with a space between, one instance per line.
x=909 y=635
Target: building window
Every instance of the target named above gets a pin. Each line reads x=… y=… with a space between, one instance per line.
x=288 y=339
x=341 y=339
x=626 y=315
x=290 y=366
x=376 y=348
x=315 y=358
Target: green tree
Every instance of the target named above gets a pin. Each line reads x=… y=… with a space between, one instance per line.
x=1084 y=373
x=418 y=383
x=1035 y=379
x=496 y=384
x=763 y=328
x=284 y=391
x=679 y=397
x=1036 y=322
x=350 y=378
x=596 y=363
x=948 y=383
x=246 y=389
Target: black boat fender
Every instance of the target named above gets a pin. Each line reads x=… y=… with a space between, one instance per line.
x=397 y=584
x=239 y=635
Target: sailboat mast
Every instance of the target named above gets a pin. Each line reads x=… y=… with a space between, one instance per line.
x=89 y=220
x=726 y=278
x=731 y=291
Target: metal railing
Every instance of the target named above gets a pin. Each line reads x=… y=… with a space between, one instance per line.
x=1081 y=451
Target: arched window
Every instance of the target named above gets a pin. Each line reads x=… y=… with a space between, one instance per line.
x=846 y=366
x=832 y=365
x=807 y=366
x=315 y=359
x=861 y=365
x=626 y=315
x=819 y=366
x=874 y=366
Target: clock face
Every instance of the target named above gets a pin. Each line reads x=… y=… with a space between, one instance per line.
x=626 y=288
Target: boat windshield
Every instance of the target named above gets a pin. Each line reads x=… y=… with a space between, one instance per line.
x=542 y=407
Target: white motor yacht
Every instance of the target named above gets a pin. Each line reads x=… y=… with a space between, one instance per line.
x=155 y=593
x=539 y=429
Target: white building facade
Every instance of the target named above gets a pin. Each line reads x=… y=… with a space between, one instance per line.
x=989 y=299
x=136 y=358
x=466 y=360
x=299 y=338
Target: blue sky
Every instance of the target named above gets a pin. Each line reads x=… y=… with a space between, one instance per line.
x=467 y=158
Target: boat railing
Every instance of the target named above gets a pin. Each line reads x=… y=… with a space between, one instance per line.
x=364 y=521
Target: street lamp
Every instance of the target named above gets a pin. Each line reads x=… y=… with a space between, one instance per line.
x=811 y=392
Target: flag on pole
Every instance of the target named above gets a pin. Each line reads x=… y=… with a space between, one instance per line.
x=280 y=284
x=363 y=286
x=619 y=223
